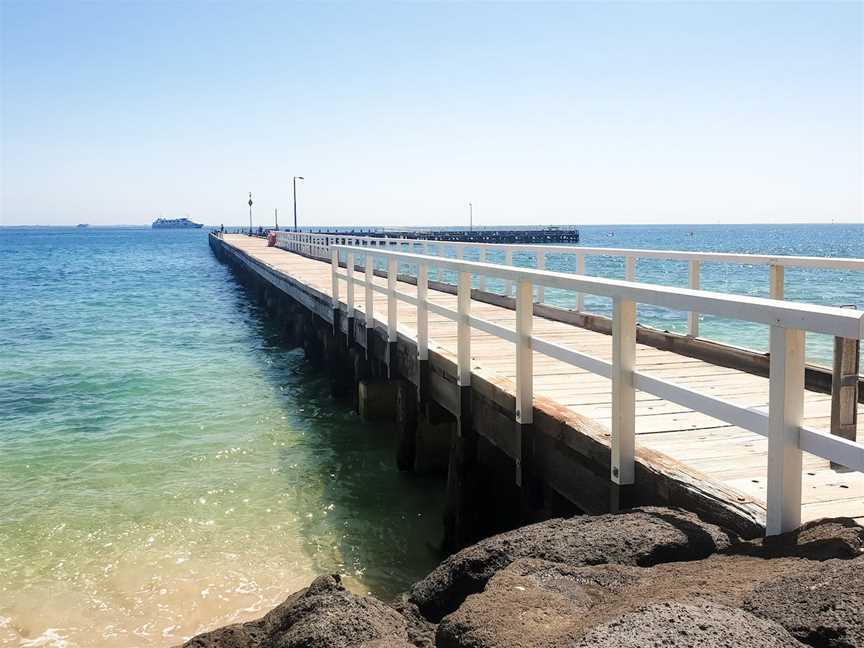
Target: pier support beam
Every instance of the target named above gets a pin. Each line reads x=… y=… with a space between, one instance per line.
x=461 y=511
x=406 y=425
x=435 y=433
x=378 y=400
x=313 y=347
x=360 y=371
x=336 y=361
x=391 y=361
x=530 y=486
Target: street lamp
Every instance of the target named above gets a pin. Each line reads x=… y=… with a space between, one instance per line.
x=296 y=178
x=471 y=216
x=250 y=213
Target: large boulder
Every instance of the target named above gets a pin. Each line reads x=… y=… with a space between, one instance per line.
x=325 y=615
x=677 y=625
x=533 y=604
x=642 y=536
x=821 y=606
x=817 y=540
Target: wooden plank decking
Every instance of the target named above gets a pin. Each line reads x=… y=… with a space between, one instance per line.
x=721 y=451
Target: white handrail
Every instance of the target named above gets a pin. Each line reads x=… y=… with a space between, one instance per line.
x=833 y=263
x=775 y=263
x=840 y=322
x=788 y=321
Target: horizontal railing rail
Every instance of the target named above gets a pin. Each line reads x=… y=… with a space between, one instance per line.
x=788 y=322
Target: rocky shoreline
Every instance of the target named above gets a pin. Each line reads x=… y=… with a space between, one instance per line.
x=639 y=578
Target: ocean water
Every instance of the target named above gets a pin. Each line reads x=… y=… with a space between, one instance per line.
x=167 y=465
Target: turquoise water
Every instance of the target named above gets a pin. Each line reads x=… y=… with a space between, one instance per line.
x=167 y=465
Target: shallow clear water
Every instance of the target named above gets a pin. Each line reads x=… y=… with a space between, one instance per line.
x=166 y=464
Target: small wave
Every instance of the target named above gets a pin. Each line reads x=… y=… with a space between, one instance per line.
x=51 y=638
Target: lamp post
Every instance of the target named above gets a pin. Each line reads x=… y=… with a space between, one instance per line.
x=471 y=216
x=296 y=178
x=250 y=213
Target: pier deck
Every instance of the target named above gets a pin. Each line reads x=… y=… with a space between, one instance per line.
x=723 y=453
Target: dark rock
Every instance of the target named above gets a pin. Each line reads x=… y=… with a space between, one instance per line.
x=675 y=625
x=533 y=603
x=421 y=633
x=244 y=635
x=818 y=540
x=239 y=635
x=644 y=537
x=822 y=606
x=325 y=615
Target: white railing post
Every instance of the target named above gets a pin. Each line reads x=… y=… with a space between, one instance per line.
x=693 y=316
x=541 y=265
x=392 y=266
x=776 y=281
x=630 y=268
x=349 y=275
x=422 y=312
x=785 y=413
x=370 y=304
x=524 y=354
x=481 y=281
x=623 y=393
x=463 y=329
x=508 y=261
x=580 y=270
x=334 y=276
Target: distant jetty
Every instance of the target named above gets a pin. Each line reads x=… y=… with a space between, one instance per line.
x=543 y=235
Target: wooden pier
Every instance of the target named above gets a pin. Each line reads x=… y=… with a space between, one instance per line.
x=561 y=444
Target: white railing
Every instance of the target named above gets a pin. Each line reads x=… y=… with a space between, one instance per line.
x=318 y=245
x=788 y=322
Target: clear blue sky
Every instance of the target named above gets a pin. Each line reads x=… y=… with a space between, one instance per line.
x=117 y=112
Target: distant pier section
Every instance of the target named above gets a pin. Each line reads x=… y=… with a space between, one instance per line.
x=561 y=234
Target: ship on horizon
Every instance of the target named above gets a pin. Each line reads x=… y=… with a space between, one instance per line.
x=175 y=223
